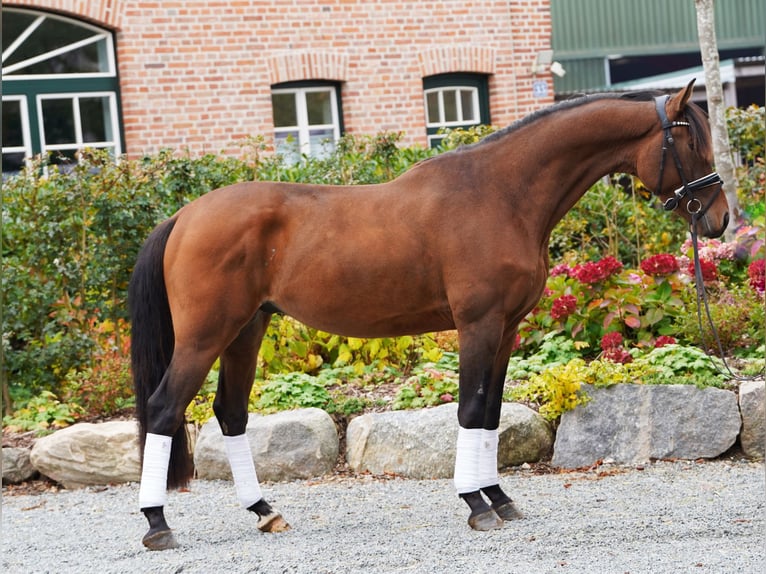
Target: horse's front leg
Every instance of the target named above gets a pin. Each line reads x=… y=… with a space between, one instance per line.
x=482 y=375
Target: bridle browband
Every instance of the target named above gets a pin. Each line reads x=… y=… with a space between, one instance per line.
x=694 y=206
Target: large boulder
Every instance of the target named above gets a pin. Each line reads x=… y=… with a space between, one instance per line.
x=636 y=423
x=16 y=465
x=87 y=454
x=752 y=405
x=421 y=443
x=286 y=446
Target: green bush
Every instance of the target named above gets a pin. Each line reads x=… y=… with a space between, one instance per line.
x=70 y=239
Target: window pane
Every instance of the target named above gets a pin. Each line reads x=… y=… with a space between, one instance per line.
x=466 y=100
x=432 y=105
x=318 y=108
x=450 y=106
x=58 y=122
x=95 y=117
x=14 y=24
x=81 y=61
x=13 y=136
x=285 y=113
x=286 y=144
x=50 y=35
x=64 y=159
x=321 y=143
x=13 y=162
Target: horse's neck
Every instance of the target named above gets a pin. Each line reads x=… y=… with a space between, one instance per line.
x=565 y=153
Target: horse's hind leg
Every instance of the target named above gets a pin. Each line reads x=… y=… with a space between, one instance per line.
x=165 y=409
x=238 y=363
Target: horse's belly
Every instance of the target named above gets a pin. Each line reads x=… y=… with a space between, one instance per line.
x=359 y=310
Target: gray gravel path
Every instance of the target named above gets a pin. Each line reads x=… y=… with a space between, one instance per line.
x=669 y=517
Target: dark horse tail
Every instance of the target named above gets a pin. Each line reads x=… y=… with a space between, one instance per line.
x=152 y=342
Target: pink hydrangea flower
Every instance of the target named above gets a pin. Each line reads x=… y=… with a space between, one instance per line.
x=757 y=273
x=563 y=307
x=595 y=272
x=709 y=270
x=660 y=265
x=663 y=340
x=611 y=341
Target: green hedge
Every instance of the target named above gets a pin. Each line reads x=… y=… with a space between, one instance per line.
x=70 y=239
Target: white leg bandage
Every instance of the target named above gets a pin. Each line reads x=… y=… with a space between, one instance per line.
x=243 y=469
x=488 y=458
x=154 y=476
x=467 y=460
x=475 y=459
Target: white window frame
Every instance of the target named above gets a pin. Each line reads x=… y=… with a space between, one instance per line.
x=74 y=97
x=98 y=35
x=460 y=122
x=303 y=128
x=35 y=88
x=26 y=146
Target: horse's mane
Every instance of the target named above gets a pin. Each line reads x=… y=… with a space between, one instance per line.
x=692 y=113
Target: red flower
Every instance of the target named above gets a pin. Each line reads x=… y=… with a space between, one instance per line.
x=611 y=341
x=617 y=355
x=757 y=273
x=564 y=306
x=561 y=269
x=663 y=340
x=709 y=270
x=660 y=265
x=595 y=272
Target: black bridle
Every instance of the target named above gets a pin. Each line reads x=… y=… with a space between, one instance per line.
x=694 y=206
x=697 y=210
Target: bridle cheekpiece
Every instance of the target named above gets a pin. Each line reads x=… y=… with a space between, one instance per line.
x=694 y=205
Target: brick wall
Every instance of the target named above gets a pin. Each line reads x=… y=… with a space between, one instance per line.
x=197 y=73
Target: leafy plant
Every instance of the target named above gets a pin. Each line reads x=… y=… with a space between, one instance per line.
x=290 y=391
x=556 y=390
x=681 y=364
x=43 y=413
x=427 y=388
x=554 y=351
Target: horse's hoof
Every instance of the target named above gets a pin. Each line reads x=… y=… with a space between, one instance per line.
x=488 y=520
x=162 y=540
x=273 y=523
x=507 y=511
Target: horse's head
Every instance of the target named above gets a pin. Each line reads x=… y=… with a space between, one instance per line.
x=677 y=163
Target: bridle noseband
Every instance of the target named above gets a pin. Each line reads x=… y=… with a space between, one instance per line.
x=694 y=206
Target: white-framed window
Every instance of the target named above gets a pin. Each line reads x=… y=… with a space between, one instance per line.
x=452 y=106
x=306 y=120
x=454 y=101
x=60 y=86
x=17 y=146
x=69 y=122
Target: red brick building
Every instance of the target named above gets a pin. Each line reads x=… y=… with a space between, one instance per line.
x=137 y=76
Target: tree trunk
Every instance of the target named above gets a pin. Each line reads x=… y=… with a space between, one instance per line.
x=721 y=150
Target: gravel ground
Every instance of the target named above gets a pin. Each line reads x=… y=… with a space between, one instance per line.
x=665 y=517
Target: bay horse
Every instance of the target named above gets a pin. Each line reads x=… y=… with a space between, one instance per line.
x=460 y=241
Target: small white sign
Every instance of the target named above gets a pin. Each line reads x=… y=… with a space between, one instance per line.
x=540 y=88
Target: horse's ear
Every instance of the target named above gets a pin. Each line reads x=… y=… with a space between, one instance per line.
x=678 y=102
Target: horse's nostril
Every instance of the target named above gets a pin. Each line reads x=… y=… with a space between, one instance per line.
x=725 y=220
